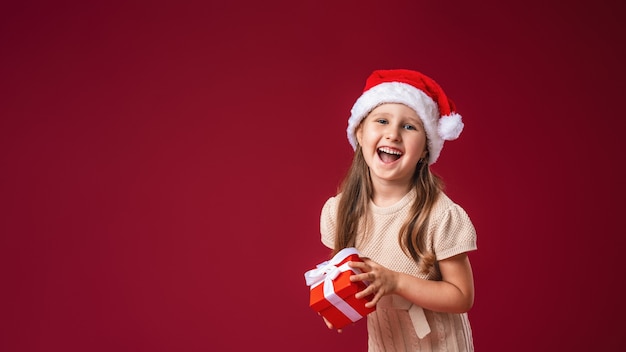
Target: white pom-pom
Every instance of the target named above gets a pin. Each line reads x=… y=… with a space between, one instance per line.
x=450 y=126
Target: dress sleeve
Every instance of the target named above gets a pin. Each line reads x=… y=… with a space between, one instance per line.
x=453 y=233
x=328 y=222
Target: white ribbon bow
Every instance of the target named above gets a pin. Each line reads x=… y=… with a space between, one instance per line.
x=329 y=269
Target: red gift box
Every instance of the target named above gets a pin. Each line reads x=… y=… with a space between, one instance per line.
x=332 y=292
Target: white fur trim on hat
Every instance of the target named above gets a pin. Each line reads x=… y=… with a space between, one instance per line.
x=437 y=131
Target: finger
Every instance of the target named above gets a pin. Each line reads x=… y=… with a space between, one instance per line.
x=360 y=277
x=328 y=324
x=369 y=277
x=358 y=265
x=374 y=300
x=369 y=290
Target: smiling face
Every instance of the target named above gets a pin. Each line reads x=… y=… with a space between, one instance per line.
x=392 y=140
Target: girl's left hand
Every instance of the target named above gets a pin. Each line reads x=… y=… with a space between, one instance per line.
x=382 y=281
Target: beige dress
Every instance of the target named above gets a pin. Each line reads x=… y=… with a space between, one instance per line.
x=397 y=324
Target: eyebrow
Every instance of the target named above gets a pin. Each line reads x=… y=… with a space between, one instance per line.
x=380 y=113
x=413 y=119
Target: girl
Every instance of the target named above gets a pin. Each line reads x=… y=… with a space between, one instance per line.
x=414 y=240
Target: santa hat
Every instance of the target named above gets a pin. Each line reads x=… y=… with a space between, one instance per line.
x=417 y=91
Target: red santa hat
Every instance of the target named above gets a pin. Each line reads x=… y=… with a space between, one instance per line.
x=417 y=91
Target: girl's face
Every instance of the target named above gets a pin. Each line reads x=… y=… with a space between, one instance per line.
x=393 y=140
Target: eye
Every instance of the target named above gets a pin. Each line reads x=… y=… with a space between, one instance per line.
x=382 y=121
x=409 y=127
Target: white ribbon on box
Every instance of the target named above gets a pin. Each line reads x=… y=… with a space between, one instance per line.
x=326 y=272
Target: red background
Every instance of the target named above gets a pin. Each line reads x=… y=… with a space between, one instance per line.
x=164 y=165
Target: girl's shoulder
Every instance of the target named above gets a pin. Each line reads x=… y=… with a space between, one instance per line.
x=333 y=199
x=330 y=206
x=451 y=228
x=445 y=205
x=443 y=201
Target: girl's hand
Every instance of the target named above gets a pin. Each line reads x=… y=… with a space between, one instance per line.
x=328 y=324
x=382 y=281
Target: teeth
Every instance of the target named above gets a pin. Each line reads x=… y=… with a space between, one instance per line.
x=389 y=151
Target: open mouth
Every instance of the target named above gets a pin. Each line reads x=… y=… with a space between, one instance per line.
x=388 y=155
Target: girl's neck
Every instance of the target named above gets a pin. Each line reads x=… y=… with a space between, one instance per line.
x=388 y=193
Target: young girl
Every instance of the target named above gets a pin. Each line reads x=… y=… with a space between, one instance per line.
x=414 y=240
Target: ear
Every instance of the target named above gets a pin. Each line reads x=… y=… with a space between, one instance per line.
x=359 y=133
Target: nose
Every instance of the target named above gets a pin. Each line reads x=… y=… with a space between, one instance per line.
x=392 y=133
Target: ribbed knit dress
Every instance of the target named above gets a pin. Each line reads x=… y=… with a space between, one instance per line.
x=392 y=327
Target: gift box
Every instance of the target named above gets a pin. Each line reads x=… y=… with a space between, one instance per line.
x=332 y=292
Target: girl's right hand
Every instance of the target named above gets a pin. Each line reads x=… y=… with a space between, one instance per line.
x=329 y=325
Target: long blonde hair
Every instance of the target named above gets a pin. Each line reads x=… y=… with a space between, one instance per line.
x=357 y=190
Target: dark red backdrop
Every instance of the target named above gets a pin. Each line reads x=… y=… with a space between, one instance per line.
x=164 y=165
